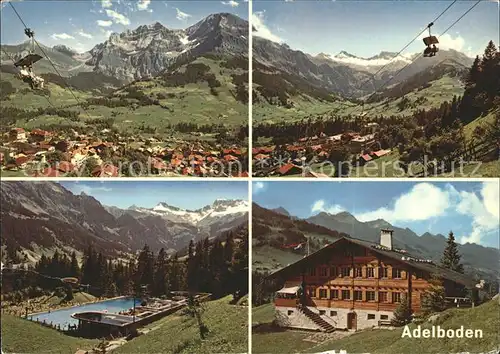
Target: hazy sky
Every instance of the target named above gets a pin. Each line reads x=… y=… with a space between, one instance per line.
x=82 y=24
x=182 y=194
x=470 y=209
x=365 y=28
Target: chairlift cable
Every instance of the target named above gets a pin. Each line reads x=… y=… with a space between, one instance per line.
x=48 y=58
x=418 y=56
x=404 y=48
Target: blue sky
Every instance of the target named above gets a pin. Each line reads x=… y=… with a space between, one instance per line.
x=470 y=209
x=182 y=194
x=364 y=28
x=75 y=23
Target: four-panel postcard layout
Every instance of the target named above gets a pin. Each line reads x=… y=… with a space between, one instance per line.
x=245 y=176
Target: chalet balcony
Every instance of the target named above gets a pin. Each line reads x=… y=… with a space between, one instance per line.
x=286 y=302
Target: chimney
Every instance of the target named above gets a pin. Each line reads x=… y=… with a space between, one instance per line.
x=386 y=238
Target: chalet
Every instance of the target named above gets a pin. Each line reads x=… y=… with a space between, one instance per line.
x=289 y=169
x=355 y=284
x=106 y=170
x=17 y=134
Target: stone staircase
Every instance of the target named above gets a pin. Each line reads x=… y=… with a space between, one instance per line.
x=313 y=316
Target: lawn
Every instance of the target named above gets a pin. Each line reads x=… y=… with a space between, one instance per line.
x=269 y=339
x=22 y=336
x=178 y=333
x=485 y=317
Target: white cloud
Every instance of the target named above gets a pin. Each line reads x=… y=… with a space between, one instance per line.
x=181 y=16
x=258 y=187
x=117 y=17
x=104 y=23
x=321 y=206
x=84 y=34
x=231 y=3
x=58 y=36
x=484 y=211
x=260 y=28
x=143 y=5
x=424 y=201
x=106 y=3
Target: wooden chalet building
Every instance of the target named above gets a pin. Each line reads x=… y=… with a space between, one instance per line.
x=355 y=284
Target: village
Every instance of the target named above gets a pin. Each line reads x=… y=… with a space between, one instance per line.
x=305 y=156
x=42 y=153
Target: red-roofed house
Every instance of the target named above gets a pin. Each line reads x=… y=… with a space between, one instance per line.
x=380 y=153
x=17 y=134
x=364 y=159
x=65 y=167
x=289 y=169
x=47 y=172
x=230 y=158
x=106 y=170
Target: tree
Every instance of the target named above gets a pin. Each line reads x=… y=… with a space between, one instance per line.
x=402 y=314
x=451 y=256
x=195 y=310
x=75 y=269
x=433 y=300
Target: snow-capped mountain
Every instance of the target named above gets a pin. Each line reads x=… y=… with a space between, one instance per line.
x=220 y=210
x=45 y=215
x=150 y=49
x=344 y=73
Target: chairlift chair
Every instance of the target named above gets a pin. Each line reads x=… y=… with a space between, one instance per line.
x=430 y=42
x=26 y=72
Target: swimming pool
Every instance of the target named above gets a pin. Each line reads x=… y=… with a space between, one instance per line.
x=63 y=317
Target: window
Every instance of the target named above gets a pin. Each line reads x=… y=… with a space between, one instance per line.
x=323 y=272
x=370 y=296
x=312 y=271
x=312 y=292
x=396 y=297
x=384 y=317
x=382 y=296
x=358 y=272
x=346 y=295
x=371 y=316
x=322 y=294
x=333 y=272
x=346 y=271
x=383 y=272
x=333 y=313
x=334 y=294
x=396 y=273
x=290 y=312
x=358 y=295
x=322 y=312
x=370 y=272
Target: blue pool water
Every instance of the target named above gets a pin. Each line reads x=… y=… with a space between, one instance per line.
x=63 y=317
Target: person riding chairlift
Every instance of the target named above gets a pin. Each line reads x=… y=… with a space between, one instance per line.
x=27 y=75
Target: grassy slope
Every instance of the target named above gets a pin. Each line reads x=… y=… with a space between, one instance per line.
x=441 y=90
x=485 y=317
x=228 y=326
x=22 y=336
x=193 y=103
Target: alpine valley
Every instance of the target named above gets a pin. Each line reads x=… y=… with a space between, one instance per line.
x=402 y=114
x=42 y=217
x=147 y=90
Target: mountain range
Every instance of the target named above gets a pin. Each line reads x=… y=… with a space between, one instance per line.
x=324 y=228
x=346 y=73
x=148 y=50
x=44 y=216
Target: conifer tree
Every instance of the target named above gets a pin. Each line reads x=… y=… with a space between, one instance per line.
x=451 y=256
x=433 y=300
x=402 y=314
